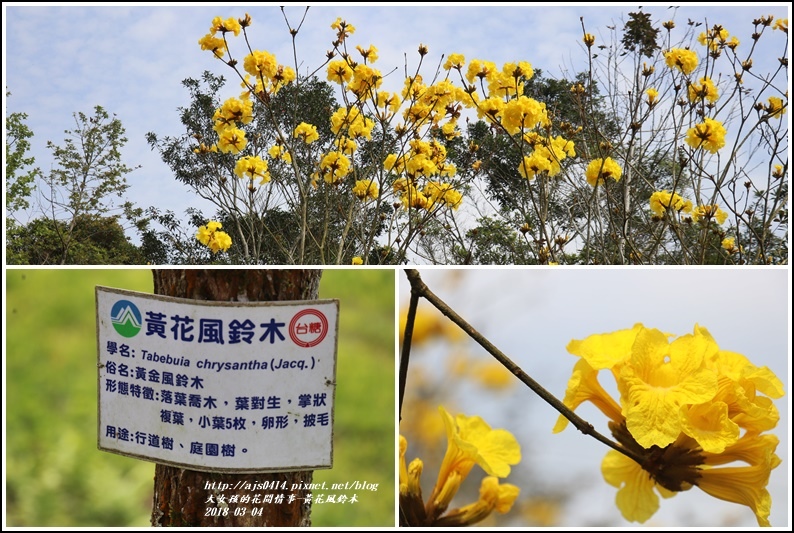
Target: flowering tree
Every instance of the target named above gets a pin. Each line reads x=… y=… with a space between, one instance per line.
x=668 y=148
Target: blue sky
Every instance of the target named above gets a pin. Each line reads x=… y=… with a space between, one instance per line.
x=131 y=59
x=532 y=314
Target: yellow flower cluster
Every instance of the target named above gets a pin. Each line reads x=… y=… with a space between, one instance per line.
x=685 y=407
x=704 y=89
x=546 y=156
x=682 y=59
x=776 y=107
x=334 y=166
x=470 y=441
x=709 y=135
x=366 y=189
x=307 y=132
x=211 y=237
x=424 y=160
x=252 y=167
x=707 y=212
x=661 y=201
x=600 y=169
x=717 y=38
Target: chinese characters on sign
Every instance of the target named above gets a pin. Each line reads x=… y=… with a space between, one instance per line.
x=217 y=386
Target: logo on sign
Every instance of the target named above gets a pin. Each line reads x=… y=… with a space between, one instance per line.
x=126 y=318
x=308 y=328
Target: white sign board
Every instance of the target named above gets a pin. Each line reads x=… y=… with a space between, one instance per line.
x=217 y=386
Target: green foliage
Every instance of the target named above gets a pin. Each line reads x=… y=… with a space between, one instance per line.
x=640 y=35
x=19 y=182
x=93 y=240
x=56 y=477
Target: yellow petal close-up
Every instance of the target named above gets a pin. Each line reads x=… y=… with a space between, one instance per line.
x=710 y=426
x=636 y=498
x=605 y=350
x=584 y=386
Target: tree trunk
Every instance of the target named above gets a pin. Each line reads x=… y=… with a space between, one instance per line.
x=181 y=496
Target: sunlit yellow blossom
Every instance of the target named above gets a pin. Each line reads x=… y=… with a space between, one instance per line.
x=493 y=497
x=480 y=70
x=470 y=441
x=781 y=24
x=708 y=212
x=352 y=122
x=211 y=237
x=653 y=94
x=214 y=44
x=728 y=243
x=252 y=167
x=339 y=72
x=334 y=166
x=534 y=164
x=364 y=189
x=683 y=406
x=709 y=135
x=442 y=194
x=661 y=201
x=491 y=108
x=279 y=151
x=684 y=60
x=231 y=24
x=522 y=114
x=600 y=169
x=704 y=89
x=366 y=80
x=343 y=28
x=260 y=63
x=234 y=111
x=713 y=38
x=308 y=132
x=454 y=61
x=588 y=39
x=358 y=261
x=370 y=54
x=776 y=107
x=231 y=140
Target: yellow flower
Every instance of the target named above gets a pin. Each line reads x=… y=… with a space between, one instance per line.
x=708 y=212
x=493 y=497
x=278 y=151
x=588 y=39
x=260 y=64
x=231 y=24
x=370 y=54
x=523 y=114
x=339 y=72
x=343 y=28
x=776 y=107
x=216 y=44
x=709 y=135
x=252 y=167
x=683 y=406
x=600 y=169
x=455 y=61
x=661 y=201
x=704 y=89
x=357 y=261
x=211 y=236
x=364 y=189
x=684 y=60
x=470 y=441
x=728 y=243
x=232 y=140
x=781 y=24
x=334 y=166
x=653 y=94
x=307 y=131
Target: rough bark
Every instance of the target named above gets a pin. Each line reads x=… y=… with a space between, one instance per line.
x=181 y=495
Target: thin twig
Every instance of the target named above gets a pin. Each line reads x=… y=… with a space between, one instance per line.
x=418 y=288
x=406 y=351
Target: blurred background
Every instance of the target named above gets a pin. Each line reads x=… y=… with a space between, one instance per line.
x=531 y=315
x=56 y=476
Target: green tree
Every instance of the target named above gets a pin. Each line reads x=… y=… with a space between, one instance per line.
x=94 y=240
x=88 y=174
x=20 y=178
